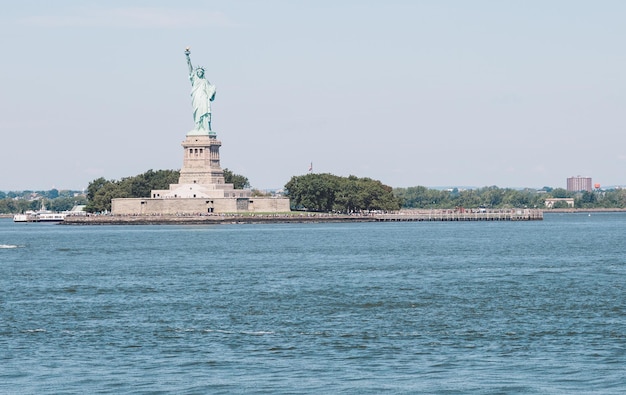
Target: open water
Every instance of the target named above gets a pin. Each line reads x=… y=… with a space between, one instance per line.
x=438 y=308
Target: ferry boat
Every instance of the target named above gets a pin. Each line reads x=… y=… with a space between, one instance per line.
x=50 y=217
x=43 y=215
x=26 y=217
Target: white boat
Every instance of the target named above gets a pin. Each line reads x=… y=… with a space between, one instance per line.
x=45 y=215
x=42 y=215
x=27 y=216
x=50 y=217
x=22 y=218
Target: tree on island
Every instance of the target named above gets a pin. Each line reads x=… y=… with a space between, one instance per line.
x=238 y=181
x=330 y=193
x=100 y=191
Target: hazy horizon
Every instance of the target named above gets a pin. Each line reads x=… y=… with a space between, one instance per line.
x=446 y=187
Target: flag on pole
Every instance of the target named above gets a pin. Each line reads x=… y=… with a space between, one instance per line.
x=311 y=167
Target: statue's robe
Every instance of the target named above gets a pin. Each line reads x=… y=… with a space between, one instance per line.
x=202 y=93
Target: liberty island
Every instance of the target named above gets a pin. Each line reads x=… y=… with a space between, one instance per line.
x=202 y=194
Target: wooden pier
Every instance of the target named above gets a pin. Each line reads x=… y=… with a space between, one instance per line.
x=458 y=215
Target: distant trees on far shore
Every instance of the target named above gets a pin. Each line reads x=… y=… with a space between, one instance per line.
x=494 y=197
x=20 y=201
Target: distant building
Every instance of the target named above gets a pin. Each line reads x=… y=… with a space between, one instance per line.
x=578 y=183
x=552 y=201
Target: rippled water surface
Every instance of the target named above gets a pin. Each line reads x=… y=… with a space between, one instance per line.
x=493 y=307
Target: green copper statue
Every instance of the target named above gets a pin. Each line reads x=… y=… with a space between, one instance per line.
x=202 y=94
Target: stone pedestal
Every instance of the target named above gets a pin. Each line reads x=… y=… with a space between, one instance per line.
x=201 y=160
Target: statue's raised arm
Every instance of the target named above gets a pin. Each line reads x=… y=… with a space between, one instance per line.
x=187 y=52
x=202 y=94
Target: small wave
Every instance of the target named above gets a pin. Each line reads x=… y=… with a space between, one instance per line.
x=249 y=333
x=8 y=246
x=256 y=333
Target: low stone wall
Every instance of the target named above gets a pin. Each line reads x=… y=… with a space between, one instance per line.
x=214 y=219
x=174 y=206
x=269 y=205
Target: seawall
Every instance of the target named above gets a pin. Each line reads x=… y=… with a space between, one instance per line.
x=296 y=217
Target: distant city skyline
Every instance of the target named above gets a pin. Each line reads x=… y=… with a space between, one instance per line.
x=430 y=93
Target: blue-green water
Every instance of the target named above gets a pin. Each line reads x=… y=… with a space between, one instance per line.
x=493 y=307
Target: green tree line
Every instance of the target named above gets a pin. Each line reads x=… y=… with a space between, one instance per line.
x=55 y=200
x=49 y=194
x=494 y=197
x=330 y=193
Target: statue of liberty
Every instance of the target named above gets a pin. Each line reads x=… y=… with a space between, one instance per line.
x=202 y=94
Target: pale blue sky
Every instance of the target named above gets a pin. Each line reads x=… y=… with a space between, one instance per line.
x=433 y=93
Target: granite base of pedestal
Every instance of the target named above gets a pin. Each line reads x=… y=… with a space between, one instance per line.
x=182 y=206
